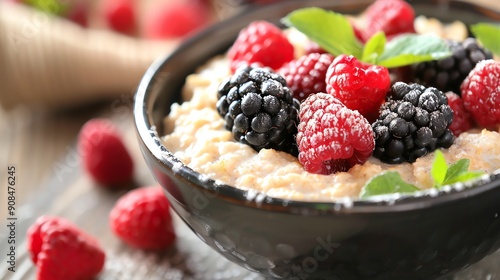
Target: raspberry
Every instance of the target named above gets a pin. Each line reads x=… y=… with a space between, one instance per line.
x=259 y=109
x=393 y=17
x=261 y=42
x=413 y=122
x=104 y=154
x=331 y=137
x=175 y=20
x=313 y=47
x=141 y=218
x=120 y=15
x=79 y=14
x=359 y=86
x=461 y=117
x=61 y=250
x=307 y=74
x=448 y=74
x=481 y=93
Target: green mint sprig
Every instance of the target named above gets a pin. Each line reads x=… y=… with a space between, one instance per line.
x=488 y=34
x=457 y=172
x=334 y=33
x=386 y=183
x=390 y=182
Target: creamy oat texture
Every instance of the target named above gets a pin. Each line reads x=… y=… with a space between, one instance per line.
x=195 y=134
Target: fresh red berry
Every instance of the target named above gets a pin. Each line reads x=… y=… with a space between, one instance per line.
x=261 y=42
x=141 y=218
x=120 y=15
x=461 y=117
x=306 y=75
x=175 y=20
x=61 y=250
x=105 y=156
x=481 y=93
x=393 y=17
x=359 y=86
x=332 y=137
x=313 y=47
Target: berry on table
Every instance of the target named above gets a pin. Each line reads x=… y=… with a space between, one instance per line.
x=104 y=155
x=462 y=120
x=260 y=42
x=176 y=19
x=359 y=86
x=413 y=122
x=448 y=74
x=307 y=74
x=332 y=137
x=393 y=17
x=120 y=15
x=142 y=219
x=481 y=93
x=61 y=250
x=259 y=109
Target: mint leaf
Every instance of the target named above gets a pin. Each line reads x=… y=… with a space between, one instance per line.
x=412 y=48
x=374 y=48
x=386 y=183
x=331 y=31
x=464 y=177
x=446 y=175
x=488 y=35
x=456 y=169
x=439 y=168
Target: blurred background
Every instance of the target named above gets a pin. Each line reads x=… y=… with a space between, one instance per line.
x=63 y=62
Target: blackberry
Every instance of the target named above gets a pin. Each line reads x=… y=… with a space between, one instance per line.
x=448 y=74
x=414 y=121
x=259 y=109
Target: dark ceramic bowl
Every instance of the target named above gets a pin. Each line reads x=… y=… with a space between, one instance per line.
x=424 y=237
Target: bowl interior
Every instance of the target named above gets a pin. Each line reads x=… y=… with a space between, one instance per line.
x=162 y=84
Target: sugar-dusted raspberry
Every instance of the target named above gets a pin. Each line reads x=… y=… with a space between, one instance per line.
x=313 y=47
x=462 y=120
x=359 y=86
x=261 y=42
x=61 y=250
x=141 y=218
x=393 y=17
x=331 y=137
x=481 y=93
x=306 y=75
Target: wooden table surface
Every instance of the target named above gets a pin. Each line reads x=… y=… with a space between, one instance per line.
x=41 y=144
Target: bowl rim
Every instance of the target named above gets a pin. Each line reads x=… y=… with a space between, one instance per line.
x=147 y=134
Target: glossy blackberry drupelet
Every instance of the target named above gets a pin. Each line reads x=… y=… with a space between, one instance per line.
x=259 y=109
x=448 y=74
x=413 y=122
